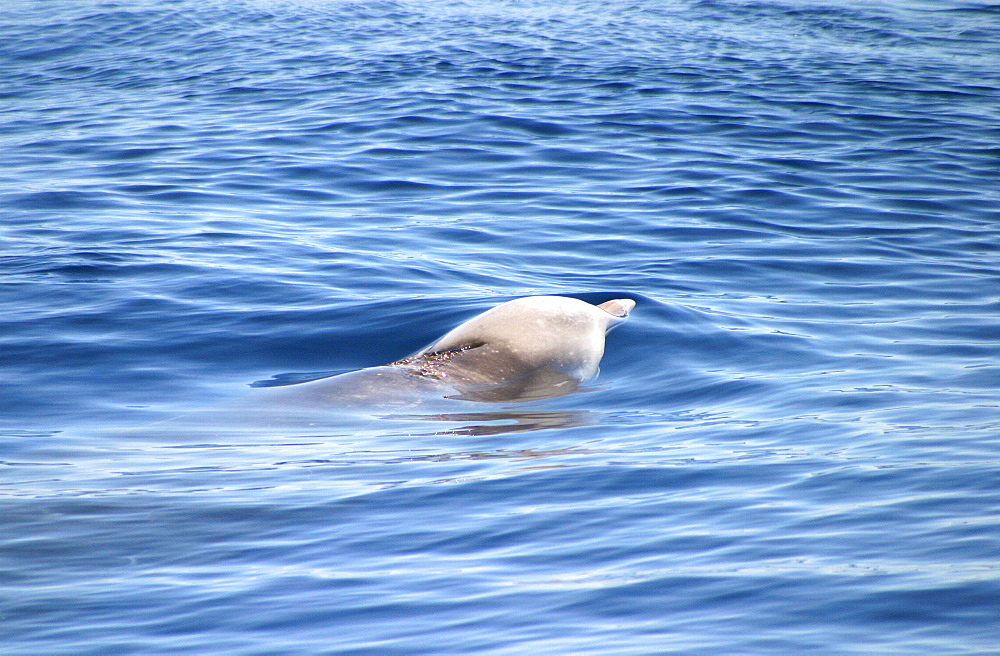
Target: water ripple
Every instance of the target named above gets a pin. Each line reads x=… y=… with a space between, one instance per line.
x=792 y=444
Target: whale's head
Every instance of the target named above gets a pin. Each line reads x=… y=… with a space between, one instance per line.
x=548 y=344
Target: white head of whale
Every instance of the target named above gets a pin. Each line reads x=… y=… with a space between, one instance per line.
x=528 y=334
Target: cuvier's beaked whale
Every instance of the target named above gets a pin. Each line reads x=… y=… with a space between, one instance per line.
x=529 y=348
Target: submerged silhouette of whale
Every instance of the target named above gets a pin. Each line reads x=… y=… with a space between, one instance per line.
x=529 y=348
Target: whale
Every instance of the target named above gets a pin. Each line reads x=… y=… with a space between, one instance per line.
x=526 y=349
x=471 y=381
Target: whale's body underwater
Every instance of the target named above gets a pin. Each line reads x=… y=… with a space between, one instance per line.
x=526 y=349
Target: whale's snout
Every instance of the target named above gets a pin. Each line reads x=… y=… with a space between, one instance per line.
x=620 y=307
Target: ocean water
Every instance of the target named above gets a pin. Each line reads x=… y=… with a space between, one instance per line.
x=794 y=444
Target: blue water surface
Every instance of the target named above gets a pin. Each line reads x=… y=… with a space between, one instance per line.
x=793 y=445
